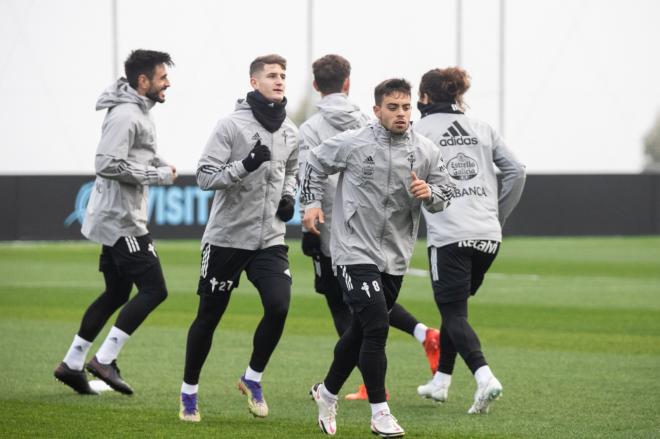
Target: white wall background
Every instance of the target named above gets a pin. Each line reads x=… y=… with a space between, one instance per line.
x=582 y=84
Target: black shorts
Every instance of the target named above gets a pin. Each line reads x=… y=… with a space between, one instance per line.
x=457 y=270
x=130 y=256
x=221 y=267
x=363 y=285
x=325 y=281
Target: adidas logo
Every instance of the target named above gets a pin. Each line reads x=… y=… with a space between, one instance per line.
x=457 y=135
x=79 y=348
x=114 y=340
x=369 y=160
x=256 y=136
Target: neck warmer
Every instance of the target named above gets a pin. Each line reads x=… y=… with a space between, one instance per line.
x=270 y=115
x=438 y=107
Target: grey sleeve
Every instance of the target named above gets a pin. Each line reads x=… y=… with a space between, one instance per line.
x=111 y=161
x=307 y=140
x=440 y=183
x=328 y=158
x=513 y=177
x=158 y=161
x=214 y=170
x=291 y=173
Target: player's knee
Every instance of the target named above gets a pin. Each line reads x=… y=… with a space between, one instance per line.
x=156 y=293
x=278 y=311
x=278 y=294
x=204 y=324
x=375 y=330
x=116 y=297
x=452 y=323
x=162 y=295
x=375 y=338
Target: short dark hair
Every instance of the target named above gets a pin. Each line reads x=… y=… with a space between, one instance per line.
x=446 y=85
x=259 y=62
x=144 y=62
x=330 y=72
x=389 y=86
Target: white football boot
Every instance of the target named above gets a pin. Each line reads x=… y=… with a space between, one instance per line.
x=386 y=425
x=327 y=411
x=437 y=392
x=485 y=395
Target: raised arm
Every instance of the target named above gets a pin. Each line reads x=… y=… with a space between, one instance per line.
x=328 y=158
x=442 y=189
x=112 y=162
x=215 y=170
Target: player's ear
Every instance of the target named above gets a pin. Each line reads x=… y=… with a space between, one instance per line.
x=377 y=110
x=346 y=86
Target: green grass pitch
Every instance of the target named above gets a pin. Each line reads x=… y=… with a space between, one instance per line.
x=571 y=327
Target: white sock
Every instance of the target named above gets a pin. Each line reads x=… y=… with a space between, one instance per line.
x=325 y=394
x=75 y=356
x=420 y=332
x=253 y=375
x=111 y=346
x=380 y=407
x=483 y=375
x=442 y=379
x=189 y=389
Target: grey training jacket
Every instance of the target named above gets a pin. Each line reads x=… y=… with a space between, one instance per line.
x=375 y=217
x=126 y=164
x=470 y=148
x=336 y=114
x=244 y=205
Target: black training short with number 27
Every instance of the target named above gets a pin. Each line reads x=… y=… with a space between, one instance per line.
x=221 y=267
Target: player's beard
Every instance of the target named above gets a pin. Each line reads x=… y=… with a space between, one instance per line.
x=154 y=95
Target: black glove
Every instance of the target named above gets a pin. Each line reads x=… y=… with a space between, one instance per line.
x=311 y=244
x=259 y=154
x=285 y=208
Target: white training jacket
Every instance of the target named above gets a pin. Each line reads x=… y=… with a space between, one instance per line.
x=375 y=216
x=126 y=164
x=471 y=150
x=336 y=114
x=244 y=205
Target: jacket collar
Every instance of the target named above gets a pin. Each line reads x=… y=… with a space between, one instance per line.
x=386 y=138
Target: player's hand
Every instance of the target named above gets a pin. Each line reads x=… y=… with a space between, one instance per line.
x=174 y=174
x=312 y=216
x=419 y=188
x=285 y=208
x=259 y=154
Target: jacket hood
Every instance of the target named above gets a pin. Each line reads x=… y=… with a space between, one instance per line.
x=122 y=93
x=241 y=104
x=339 y=112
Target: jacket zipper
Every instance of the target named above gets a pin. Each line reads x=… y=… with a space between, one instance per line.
x=387 y=194
x=263 y=213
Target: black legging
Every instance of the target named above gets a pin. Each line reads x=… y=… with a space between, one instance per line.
x=456 y=335
x=340 y=312
x=151 y=292
x=275 y=293
x=362 y=344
